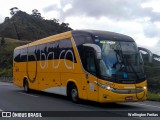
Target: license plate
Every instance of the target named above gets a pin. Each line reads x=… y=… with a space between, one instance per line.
x=129 y=98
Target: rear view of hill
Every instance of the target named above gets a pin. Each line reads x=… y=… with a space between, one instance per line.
x=23 y=26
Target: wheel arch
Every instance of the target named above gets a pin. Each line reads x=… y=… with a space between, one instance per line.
x=25 y=79
x=69 y=84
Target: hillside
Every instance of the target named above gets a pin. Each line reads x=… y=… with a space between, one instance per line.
x=23 y=26
x=6 y=55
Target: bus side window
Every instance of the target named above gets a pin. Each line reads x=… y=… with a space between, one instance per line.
x=31 y=53
x=23 y=55
x=17 y=55
x=90 y=63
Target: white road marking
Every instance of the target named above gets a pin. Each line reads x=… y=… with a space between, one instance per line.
x=28 y=94
x=147 y=105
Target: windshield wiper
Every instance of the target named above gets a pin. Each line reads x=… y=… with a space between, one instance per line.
x=106 y=77
x=128 y=63
x=132 y=68
x=120 y=60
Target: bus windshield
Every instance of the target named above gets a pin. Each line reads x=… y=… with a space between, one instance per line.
x=120 y=60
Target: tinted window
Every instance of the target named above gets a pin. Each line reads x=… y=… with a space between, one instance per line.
x=41 y=52
x=48 y=51
x=17 y=55
x=67 y=46
x=80 y=40
x=23 y=55
x=90 y=63
x=32 y=53
x=56 y=49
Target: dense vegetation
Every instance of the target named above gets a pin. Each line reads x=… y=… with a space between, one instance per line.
x=6 y=55
x=23 y=26
x=152 y=71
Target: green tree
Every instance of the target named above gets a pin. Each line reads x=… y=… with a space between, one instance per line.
x=14 y=10
x=36 y=13
x=6 y=19
x=2 y=41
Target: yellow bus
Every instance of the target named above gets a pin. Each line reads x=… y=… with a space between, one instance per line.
x=92 y=65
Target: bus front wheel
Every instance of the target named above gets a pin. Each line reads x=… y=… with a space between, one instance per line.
x=26 y=87
x=74 y=94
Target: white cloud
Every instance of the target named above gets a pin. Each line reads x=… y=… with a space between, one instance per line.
x=145 y=41
x=131 y=28
x=139 y=19
x=151 y=30
x=51 y=15
x=25 y=5
x=154 y=4
x=113 y=9
x=67 y=7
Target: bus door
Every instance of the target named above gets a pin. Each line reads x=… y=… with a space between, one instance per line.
x=32 y=67
x=90 y=76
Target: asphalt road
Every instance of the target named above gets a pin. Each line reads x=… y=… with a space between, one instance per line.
x=12 y=98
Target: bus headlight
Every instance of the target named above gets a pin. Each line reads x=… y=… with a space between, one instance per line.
x=108 y=87
x=103 y=86
x=144 y=87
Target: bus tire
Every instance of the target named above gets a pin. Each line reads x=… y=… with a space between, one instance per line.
x=74 y=94
x=26 y=86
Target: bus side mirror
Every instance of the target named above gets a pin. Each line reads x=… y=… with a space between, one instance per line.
x=150 y=54
x=96 y=48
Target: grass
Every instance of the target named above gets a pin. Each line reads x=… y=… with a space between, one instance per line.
x=6 y=72
x=153 y=96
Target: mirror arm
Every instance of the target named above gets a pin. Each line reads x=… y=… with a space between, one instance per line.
x=96 y=48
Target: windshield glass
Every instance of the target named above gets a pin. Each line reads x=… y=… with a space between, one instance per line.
x=120 y=60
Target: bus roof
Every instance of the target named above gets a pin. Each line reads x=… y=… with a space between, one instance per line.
x=104 y=34
x=94 y=33
x=47 y=39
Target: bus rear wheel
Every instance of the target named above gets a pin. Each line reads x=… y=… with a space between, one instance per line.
x=26 y=87
x=74 y=94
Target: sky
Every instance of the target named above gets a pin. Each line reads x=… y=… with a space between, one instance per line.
x=139 y=19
